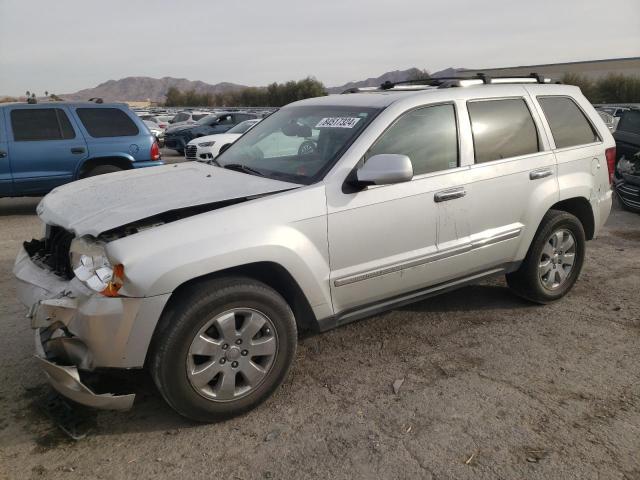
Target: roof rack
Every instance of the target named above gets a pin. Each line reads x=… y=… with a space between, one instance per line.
x=448 y=82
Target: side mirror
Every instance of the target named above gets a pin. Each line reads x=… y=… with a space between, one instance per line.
x=385 y=169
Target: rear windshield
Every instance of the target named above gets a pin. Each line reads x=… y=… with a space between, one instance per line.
x=107 y=122
x=630 y=122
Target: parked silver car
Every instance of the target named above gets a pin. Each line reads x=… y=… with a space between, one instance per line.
x=328 y=211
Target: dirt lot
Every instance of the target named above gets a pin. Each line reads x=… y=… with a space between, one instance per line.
x=493 y=388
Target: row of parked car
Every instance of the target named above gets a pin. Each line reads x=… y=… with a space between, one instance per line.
x=611 y=114
x=185 y=125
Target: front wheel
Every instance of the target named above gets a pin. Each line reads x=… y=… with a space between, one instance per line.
x=223 y=348
x=554 y=260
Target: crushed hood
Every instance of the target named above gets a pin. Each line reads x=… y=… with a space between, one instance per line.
x=98 y=204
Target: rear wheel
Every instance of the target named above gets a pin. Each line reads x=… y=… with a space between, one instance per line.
x=101 y=170
x=554 y=260
x=223 y=348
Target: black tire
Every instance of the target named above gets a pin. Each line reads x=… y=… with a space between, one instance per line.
x=183 y=320
x=526 y=281
x=101 y=170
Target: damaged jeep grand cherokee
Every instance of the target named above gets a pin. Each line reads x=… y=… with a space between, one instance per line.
x=330 y=210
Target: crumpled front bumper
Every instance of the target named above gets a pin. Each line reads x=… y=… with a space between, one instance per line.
x=66 y=381
x=78 y=331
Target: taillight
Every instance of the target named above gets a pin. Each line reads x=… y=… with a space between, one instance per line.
x=155 y=151
x=610 y=153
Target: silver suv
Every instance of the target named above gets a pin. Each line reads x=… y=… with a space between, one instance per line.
x=328 y=211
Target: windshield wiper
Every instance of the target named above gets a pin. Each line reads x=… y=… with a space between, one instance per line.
x=238 y=167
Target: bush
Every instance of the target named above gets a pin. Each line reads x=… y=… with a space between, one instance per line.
x=614 y=88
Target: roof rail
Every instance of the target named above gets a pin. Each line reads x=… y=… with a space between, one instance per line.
x=447 y=82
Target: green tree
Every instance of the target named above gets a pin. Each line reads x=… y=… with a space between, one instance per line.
x=174 y=98
x=616 y=88
x=274 y=95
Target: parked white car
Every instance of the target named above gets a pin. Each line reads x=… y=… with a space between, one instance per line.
x=328 y=211
x=208 y=147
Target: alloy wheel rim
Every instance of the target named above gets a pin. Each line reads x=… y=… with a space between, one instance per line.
x=232 y=354
x=557 y=259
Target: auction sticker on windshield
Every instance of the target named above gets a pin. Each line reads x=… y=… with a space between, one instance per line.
x=338 y=122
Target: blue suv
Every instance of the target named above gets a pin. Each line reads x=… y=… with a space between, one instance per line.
x=43 y=146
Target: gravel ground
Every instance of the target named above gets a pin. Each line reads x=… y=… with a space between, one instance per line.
x=493 y=388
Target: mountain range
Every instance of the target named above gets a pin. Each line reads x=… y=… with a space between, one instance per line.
x=155 y=89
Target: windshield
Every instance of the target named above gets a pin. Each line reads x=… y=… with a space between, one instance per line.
x=204 y=119
x=298 y=144
x=243 y=126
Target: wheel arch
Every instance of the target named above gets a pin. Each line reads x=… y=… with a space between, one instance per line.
x=580 y=208
x=271 y=274
x=92 y=162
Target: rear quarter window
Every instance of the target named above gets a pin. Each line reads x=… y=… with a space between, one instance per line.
x=107 y=122
x=502 y=128
x=569 y=125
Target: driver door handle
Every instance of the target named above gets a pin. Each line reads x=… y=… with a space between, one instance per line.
x=3 y=154
x=449 y=194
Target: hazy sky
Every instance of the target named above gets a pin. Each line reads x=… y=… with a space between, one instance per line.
x=65 y=45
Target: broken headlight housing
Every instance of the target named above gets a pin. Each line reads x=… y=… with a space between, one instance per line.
x=91 y=266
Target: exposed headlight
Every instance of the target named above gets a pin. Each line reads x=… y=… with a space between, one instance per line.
x=206 y=144
x=91 y=265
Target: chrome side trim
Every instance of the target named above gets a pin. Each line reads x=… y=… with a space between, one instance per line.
x=433 y=257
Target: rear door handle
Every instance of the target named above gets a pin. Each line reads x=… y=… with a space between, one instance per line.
x=3 y=154
x=77 y=150
x=449 y=194
x=542 y=173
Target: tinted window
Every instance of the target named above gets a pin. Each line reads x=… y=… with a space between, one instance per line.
x=40 y=124
x=630 y=122
x=568 y=124
x=107 y=122
x=428 y=136
x=502 y=129
x=181 y=117
x=197 y=116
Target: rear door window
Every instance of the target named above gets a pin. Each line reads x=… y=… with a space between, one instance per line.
x=502 y=128
x=569 y=125
x=34 y=124
x=107 y=122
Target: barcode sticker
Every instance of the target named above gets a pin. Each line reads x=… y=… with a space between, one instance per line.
x=338 y=122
